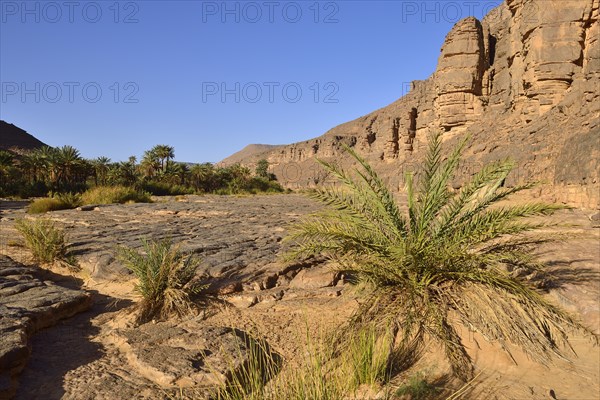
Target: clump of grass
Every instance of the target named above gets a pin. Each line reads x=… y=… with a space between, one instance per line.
x=44 y=239
x=332 y=368
x=247 y=381
x=165 y=279
x=114 y=194
x=318 y=376
x=418 y=387
x=370 y=355
x=63 y=201
x=449 y=254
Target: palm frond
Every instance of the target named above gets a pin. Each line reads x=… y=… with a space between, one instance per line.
x=450 y=255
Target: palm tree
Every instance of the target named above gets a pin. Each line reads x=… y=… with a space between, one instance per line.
x=6 y=167
x=101 y=166
x=150 y=164
x=202 y=176
x=67 y=162
x=262 y=168
x=180 y=171
x=164 y=154
x=449 y=254
x=46 y=162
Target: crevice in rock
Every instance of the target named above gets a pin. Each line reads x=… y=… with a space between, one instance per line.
x=492 y=50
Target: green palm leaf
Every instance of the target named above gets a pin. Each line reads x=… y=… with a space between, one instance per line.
x=450 y=252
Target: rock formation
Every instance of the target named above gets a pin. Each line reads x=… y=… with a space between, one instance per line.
x=524 y=83
x=28 y=304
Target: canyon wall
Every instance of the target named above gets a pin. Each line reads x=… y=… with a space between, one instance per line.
x=524 y=83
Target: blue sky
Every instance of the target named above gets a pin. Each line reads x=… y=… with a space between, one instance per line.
x=209 y=77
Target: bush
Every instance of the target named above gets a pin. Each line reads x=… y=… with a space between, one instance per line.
x=450 y=253
x=64 y=201
x=114 y=194
x=165 y=279
x=44 y=239
x=165 y=189
x=36 y=189
x=265 y=185
x=39 y=206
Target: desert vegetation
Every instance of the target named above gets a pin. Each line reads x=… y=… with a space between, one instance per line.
x=54 y=172
x=166 y=279
x=44 y=239
x=450 y=253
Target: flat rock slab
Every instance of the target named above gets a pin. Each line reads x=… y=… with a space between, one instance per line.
x=28 y=304
x=157 y=361
x=179 y=356
x=233 y=236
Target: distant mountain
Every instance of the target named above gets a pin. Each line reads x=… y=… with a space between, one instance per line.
x=14 y=138
x=248 y=152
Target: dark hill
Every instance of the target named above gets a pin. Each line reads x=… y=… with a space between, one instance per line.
x=12 y=138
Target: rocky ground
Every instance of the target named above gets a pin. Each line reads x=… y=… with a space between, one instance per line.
x=97 y=354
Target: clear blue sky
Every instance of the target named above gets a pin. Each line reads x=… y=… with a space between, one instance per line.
x=161 y=67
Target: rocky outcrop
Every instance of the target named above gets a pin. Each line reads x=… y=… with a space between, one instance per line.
x=524 y=82
x=459 y=76
x=28 y=304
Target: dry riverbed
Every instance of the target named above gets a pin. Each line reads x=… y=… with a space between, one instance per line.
x=97 y=354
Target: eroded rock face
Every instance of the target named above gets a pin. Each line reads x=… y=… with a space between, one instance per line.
x=524 y=82
x=459 y=75
x=27 y=305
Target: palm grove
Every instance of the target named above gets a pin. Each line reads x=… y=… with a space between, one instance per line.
x=63 y=170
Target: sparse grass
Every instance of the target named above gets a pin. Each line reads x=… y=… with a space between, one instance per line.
x=370 y=355
x=114 y=194
x=44 y=239
x=64 y=201
x=248 y=380
x=418 y=387
x=329 y=370
x=165 y=279
x=450 y=253
x=318 y=376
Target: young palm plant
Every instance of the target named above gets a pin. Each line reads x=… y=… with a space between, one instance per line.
x=166 y=278
x=447 y=259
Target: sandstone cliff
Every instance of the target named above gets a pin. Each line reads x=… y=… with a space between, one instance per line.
x=524 y=82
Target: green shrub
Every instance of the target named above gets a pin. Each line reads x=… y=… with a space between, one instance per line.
x=114 y=194
x=165 y=189
x=450 y=253
x=44 y=239
x=28 y=190
x=165 y=278
x=62 y=201
x=39 y=206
